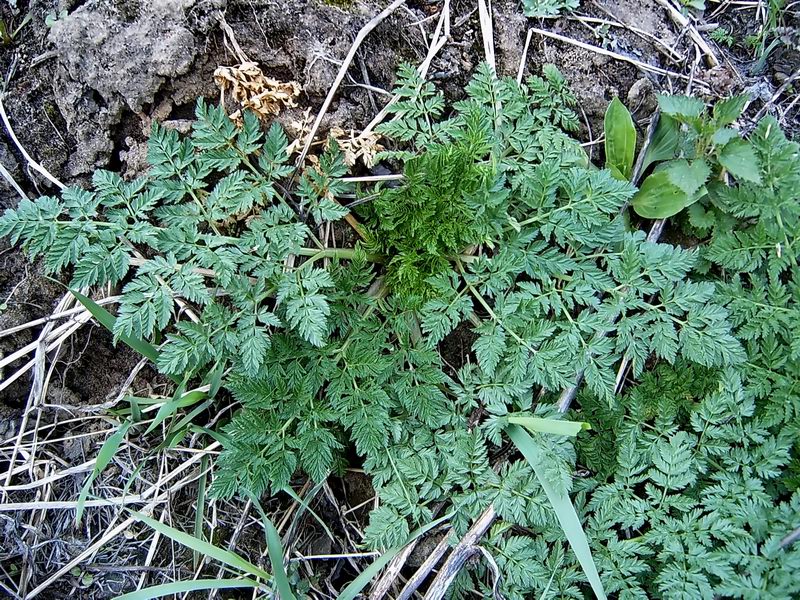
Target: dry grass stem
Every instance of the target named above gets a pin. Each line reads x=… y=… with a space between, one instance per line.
x=31 y=163
x=683 y=21
x=362 y=34
x=615 y=55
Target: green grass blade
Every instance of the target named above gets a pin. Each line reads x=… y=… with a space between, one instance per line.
x=306 y=507
x=214 y=435
x=180 y=587
x=555 y=426
x=170 y=407
x=136 y=411
x=201 y=508
x=107 y=452
x=275 y=551
x=214 y=378
x=107 y=320
x=360 y=582
x=367 y=575
x=178 y=428
x=210 y=550
x=562 y=505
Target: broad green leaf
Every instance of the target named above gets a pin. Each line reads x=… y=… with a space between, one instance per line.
x=659 y=198
x=700 y=218
x=724 y=135
x=182 y=587
x=620 y=139
x=104 y=456
x=562 y=506
x=690 y=176
x=739 y=157
x=683 y=108
x=727 y=111
x=554 y=426
x=106 y=319
x=664 y=144
x=210 y=550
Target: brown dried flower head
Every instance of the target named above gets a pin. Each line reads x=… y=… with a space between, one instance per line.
x=247 y=85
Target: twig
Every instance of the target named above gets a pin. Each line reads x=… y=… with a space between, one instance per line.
x=234 y=539
x=496 y=577
x=32 y=163
x=615 y=55
x=392 y=571
x=784 y=86
x=41 y=348
x=115 y=531
x=524 y=58
x=231 y=37
x=790 y=539
x=487 y=33
x=362 y=34
x=69 y=504
x=440 y=36
x=659 y=44
x=7 y=176
x=58 y=315
x=81 y=468
x=461 y=553
x=301 y=558
x=682 y=21
x=425 y=568
x=372 y=24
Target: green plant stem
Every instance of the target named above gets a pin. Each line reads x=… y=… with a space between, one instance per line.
x=482 y=301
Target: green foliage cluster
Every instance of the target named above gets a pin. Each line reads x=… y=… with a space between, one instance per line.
x=722 y=36
x=696 y=502
x=690 y=148
x=539 y=310
x=501 y=239
x=548 y=9
x=771 y=35
x=449 y=199
x=209 y=225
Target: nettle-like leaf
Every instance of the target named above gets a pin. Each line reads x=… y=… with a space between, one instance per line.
x=740 y=159
x=681 y=107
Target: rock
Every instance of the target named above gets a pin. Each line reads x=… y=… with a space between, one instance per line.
x=641 y=98
x=115 y=56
